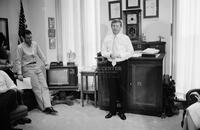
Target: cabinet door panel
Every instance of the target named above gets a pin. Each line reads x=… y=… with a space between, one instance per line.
x=145 y=89
x=103 y=91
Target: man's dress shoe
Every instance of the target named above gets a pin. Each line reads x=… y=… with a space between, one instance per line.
x=109 y=115
x=122 y=116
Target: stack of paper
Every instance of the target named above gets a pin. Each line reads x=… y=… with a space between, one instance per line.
x=150 y=51
x=25 y=84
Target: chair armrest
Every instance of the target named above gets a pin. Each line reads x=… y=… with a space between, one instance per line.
x=191 y=98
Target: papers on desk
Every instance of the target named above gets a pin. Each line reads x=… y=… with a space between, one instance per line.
x=25 y=84
x=150 y=51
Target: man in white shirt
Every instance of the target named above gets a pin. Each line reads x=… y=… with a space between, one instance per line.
x=28 y=65
x=117 y=48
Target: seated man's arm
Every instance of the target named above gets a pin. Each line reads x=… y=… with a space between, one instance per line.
x=10 y=84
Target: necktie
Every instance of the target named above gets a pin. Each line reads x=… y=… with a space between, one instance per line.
x=114 y=50
x=114 y=46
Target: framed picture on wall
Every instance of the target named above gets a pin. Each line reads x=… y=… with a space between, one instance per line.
x=51 y=23
x=132 y=4
x=151 y=8
x=52 y=43
x=4 y=35
x=115 y=10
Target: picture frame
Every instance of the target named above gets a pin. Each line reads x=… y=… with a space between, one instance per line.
x=51 y=32
x=132 y=4
x=115 y=10
x=51 y=23
x=4 y=34
x=151 y=8
x=52 y=43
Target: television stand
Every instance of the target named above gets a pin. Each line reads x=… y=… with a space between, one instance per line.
x=60 y=92
x=63 y=88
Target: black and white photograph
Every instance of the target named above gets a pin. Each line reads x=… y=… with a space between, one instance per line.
x=99 y=64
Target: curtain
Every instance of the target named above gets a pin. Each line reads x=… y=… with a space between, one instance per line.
x=79 y=27
x=187 y=45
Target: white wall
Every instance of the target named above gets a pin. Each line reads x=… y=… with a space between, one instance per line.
x=36 y=13
x=151 y=27
x=9 y=9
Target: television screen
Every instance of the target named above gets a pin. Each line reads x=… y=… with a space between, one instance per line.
x=58 y=76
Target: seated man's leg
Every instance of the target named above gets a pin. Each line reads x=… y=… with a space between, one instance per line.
x=8 y=102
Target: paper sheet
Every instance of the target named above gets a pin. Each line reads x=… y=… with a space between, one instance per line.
x=25 y=84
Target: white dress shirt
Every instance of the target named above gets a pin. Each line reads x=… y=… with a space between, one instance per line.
x=120 y=45
x=5 y=82
x=28 y=54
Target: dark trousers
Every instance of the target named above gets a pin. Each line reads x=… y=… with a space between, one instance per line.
x=117 y=83
x=8 y=102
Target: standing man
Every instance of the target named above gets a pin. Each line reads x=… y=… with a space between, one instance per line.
x=28 y=54
x=117 y=48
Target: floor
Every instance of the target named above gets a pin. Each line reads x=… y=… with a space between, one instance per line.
x=76 y=117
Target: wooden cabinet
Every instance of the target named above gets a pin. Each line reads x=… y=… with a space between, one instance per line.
x=144 y=89
x=144 y=92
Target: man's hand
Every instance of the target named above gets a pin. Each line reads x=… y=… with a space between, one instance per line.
x=15 y=89
x=20 y=77
x=114 y=56
x=47 y=66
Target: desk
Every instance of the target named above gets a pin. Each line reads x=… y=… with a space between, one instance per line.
x=144 y=91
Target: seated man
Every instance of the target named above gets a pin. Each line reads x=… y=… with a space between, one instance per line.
x=8 y=100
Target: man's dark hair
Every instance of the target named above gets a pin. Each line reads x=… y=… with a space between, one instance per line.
x=27 y=32
x=116 y=21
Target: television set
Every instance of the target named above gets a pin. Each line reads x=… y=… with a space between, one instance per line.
x=62 y=76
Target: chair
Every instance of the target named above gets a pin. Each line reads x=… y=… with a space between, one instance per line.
x=190 y=99
x=21 y=110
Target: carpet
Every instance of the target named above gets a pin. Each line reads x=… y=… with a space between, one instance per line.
x=88 y=117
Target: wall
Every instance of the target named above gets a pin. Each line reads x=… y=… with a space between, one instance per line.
x=9 y=9
x=151 y=27
x=36 y=13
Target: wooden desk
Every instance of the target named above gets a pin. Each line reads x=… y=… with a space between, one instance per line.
x=144 y=88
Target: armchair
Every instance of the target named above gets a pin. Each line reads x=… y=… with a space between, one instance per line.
x=191 y=98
